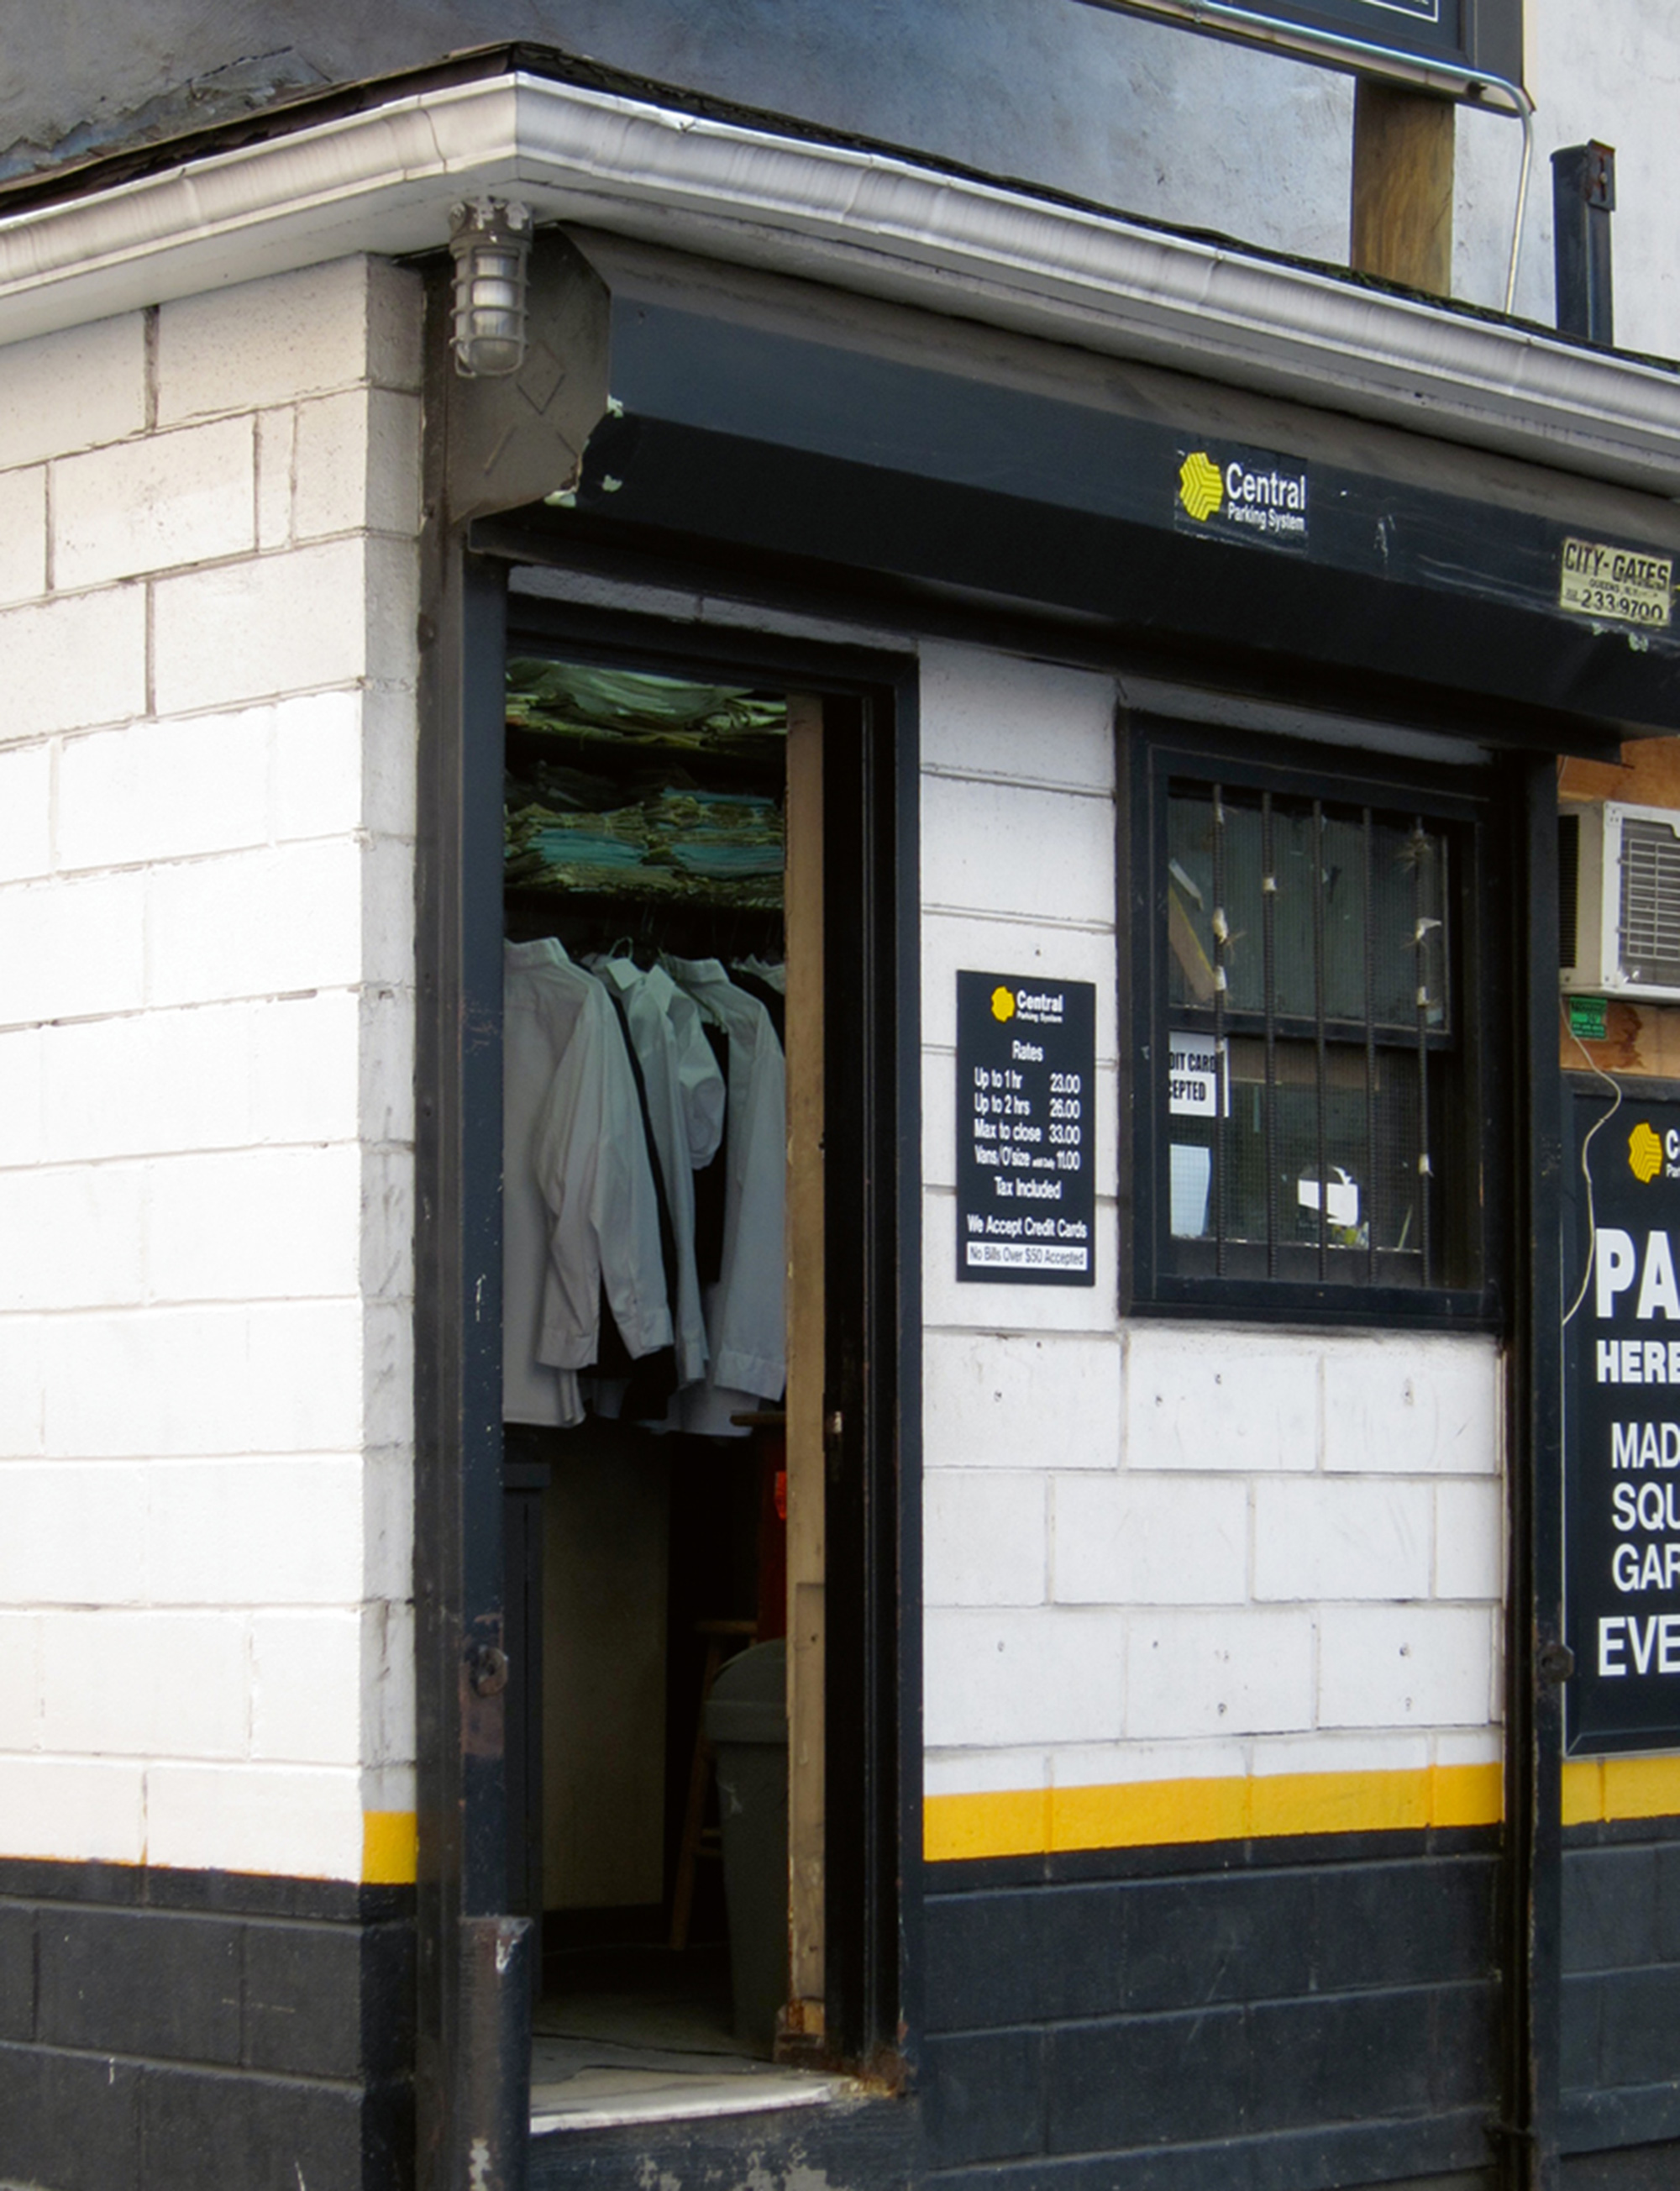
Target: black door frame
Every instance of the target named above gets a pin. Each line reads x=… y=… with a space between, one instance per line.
x=473 y=2044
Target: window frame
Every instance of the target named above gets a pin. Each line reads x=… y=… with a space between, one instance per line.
x=1155 y=752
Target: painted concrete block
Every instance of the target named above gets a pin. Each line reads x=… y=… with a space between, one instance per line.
x=1468 y=1745
x=71 y=948
x=1224 y=1673
x=1039 y=854
x=983 y=1538
x=1125 y=1764
x=990 y=1398
x=387 y=1722
x=277 y=445
x=989 y=714
x=22 y=1408
x=388 y=913
x=301 y=1819
x=983 y=1771
x=1417 y=1406
x=255 y=923
x=184 y=1076
x=387 y=1484
x=264 y=343
x=164 y=791
x=317 y=764
x=307 y=1056
x=75 y=1534
x=154 y=504
x=1032 y=949
x=212 y=1380
x=1132 y=1540
x=357 y=464
x=1469 y=1540
x=25 y=813
x=282 y=1069
x=148 y=1683
x=278 y=623
x=390 y=729
x=74 y=1238
x=75 y=1810
x=21 y=1124
x=306 y=1687
x=1325 y=1751
x=23 y=530
x=1422 y=1665
x=388 y=1374
x=283 y=1531
x=1008 y=1678
x=1200 y=1397
x=20 y=1678
x=255 y=1225
x=73 y=662
x=393 y=609
x=72 y=390
x=386 y=1253
x=1323 y=1537
x=386 y=1018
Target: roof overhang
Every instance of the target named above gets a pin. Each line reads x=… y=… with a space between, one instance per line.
x=382 y=179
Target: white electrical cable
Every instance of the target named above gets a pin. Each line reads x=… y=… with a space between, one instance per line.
x=1585 y=1169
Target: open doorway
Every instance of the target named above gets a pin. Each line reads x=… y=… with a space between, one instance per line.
x=666 y=1365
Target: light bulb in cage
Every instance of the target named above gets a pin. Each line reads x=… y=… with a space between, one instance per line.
x=490 y=243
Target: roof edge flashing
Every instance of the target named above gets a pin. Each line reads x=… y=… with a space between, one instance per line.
x=381 y=179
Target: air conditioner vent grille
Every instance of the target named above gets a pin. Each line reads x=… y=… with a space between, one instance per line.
x=1650 y=902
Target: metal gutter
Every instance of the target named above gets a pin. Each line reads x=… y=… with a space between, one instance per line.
x=381 y=181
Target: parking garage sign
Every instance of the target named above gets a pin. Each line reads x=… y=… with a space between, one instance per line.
x=1621 y=1465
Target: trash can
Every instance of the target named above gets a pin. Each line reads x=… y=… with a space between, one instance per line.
x=747 y=1727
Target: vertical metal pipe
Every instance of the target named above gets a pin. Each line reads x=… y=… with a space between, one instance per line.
x=1221 y=930
x=1369 y=849
x=1420 y=920
x=1268 y=906
x=1533 y=1489
x=1583 y=198
x=1319 y=1055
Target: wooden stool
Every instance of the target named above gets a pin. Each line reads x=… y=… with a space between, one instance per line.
x=699 y=1839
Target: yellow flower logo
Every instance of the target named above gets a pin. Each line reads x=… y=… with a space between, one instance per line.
x=1644 y=1153
x=1003 y=1003
x=1199 y=487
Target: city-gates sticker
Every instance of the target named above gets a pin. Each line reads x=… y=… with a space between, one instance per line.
x=1621 y=1449
x=1026 y=1172
x=1625 y=585
x=1228 y=493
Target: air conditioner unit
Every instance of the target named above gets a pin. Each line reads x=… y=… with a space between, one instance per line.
x=1618 y=900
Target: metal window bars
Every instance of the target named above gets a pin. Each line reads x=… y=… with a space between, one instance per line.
x=1313 y=1043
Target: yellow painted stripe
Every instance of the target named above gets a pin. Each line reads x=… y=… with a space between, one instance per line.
x=389 y=1849
x=1583 y=1790
x=1620 y=1788
x=1147 y=1813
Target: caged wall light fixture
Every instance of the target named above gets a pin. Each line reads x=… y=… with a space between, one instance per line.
x=491 y=243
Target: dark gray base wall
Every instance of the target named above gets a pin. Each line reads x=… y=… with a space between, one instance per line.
x=1261 y=2016
x=1621 y=2001
x=203 y=2031
x=854 y=2145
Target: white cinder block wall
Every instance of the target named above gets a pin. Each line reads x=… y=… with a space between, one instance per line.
x=1176 y=1551
x=207 y=597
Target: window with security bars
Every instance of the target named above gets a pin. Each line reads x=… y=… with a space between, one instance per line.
x=1312 y=1113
